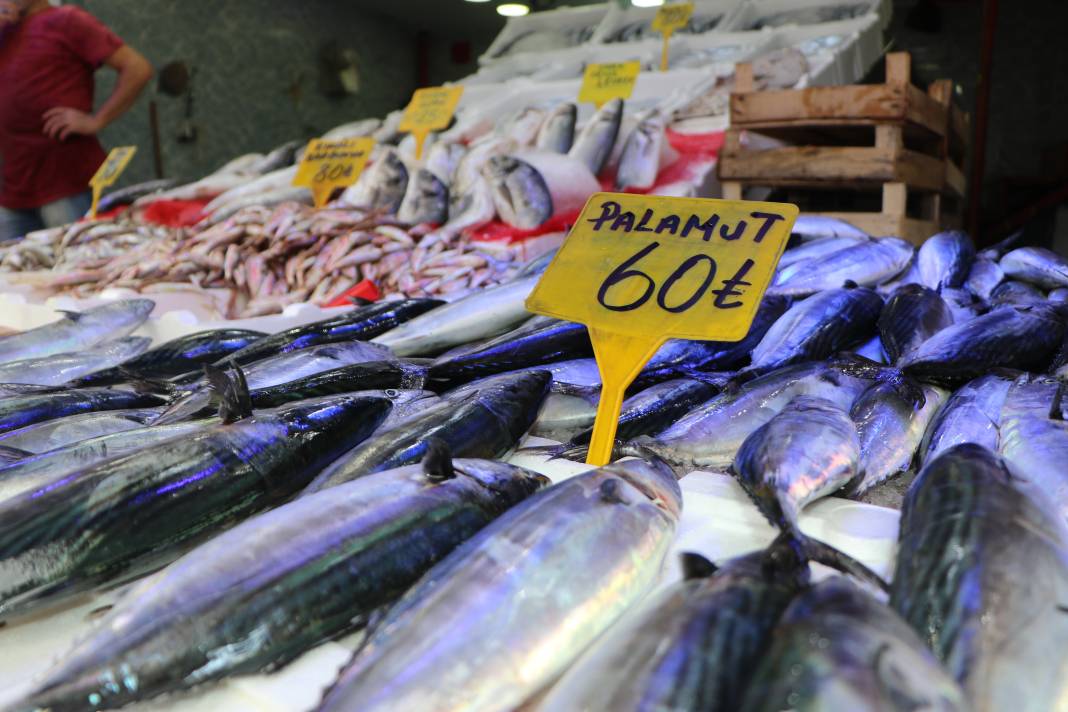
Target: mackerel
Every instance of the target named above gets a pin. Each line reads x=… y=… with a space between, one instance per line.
x=945 y=259
x=77 y=330
x=20 y=411
x=971 y=415
x=1036 y=265
x=912 y=314
x=866 y=264
x=470 y=634
x=52 y=434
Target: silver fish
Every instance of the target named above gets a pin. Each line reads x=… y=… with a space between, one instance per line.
x=597 y=138
x=1059 y=295
x=426 y=200
x=971 y=415
x=945 y=259
x=890 y=428
x=981 y=576
x=866 y=264
x=520 y=193
x=62 y=368
x=912 y=314
x=838 y=648
x=485 y=313
x=469 y=210
x=381 y=186
x=962 y=304
x=1034 y=439
x=77 y=330
x=52 y=434
x=557 y=133
x=470 y=635
x=282 y=368
x=1012 y=291
x=819 y=326
x=814 y=227
x=1009 y=336
x=817 y=249
x=639 y=164
x=806 y=452
x=266 y=590
x=710 y=436
x=983 y=277
x=1036 y=265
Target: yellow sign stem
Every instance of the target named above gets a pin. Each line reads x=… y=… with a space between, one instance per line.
x=97 y=190
x=420 y=141
x=620 y=358
x=665 y=52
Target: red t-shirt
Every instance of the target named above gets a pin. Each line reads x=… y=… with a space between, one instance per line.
x=48 y=61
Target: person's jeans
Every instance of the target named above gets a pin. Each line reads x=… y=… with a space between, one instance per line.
x=16 y=223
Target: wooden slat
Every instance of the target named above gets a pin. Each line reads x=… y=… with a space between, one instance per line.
x=923 y=110
x=890 y=137
x=743 y=77
x=878 y=101
x=955 y=180
x=899 y=68
x=816 y=164
x=732 y=190
x=895 y=198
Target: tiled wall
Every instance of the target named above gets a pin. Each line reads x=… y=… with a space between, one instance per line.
x=257 y=74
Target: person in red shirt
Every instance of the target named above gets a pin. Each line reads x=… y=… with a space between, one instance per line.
x=48 y=145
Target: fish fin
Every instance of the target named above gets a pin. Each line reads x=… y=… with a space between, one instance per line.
x=849 y=284
x=823 y=553
x=232 y=390
x=611 y=492
x=360 y=301
x=577 y=453
x=1055 y=412
x=590 y=393
x=552 y=452
x=10 y=455
x=719 y=380
x=695 y=566
x=74 y=316
x=143 y=384
x=437 y=463
x=904 y=386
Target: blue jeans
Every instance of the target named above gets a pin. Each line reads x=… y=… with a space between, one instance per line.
x=16 y=223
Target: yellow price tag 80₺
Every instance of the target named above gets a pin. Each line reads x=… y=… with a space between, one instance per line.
x=109 y=172
x=329 y=165
x=638 y=270
x=670 y=18
x=603 y=82
x=430 y=110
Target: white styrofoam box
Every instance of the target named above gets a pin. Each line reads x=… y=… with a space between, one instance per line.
x=718 y=522
x=720 y=51
x=562 y=28
x=620 y=18
x=751 y=12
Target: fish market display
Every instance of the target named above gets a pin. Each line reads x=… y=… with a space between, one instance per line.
x=269 y=586
x=838 y=648
x=135 y=512
x=470 y=635
x=981 y=576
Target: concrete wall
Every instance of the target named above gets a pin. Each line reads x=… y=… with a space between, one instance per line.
x=257 y=74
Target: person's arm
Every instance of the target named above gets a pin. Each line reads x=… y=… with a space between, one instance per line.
x=134 y=73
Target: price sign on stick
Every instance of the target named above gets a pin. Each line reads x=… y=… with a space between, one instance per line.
x=639 y=269
x=329 y=165
x=430 y=110
x=603 y=82
x=668 y=19
x=109 y=172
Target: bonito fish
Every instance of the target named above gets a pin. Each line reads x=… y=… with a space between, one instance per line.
x=77 y=330
x=58 y=369
x=470 y=635
x=267 y=590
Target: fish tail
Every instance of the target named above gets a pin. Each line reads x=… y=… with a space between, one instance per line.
x=823 y=553
x=553 y=452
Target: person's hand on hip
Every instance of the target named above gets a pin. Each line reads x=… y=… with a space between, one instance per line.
x=63 y=122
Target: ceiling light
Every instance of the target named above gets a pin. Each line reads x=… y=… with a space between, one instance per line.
x=512 y=9
x=477 y=0
x=646 y=3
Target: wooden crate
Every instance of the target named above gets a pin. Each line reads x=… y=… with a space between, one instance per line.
x=892 y=139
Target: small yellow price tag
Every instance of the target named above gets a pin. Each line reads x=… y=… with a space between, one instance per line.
x=109 y=172
x=639 y=269
x=430 y=110
x=329 y=165
x=603 y=82
x=668 y=19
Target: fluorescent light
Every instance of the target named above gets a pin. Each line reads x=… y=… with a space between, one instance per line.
x=646 y=3
x=477 y=0
x=512 y=9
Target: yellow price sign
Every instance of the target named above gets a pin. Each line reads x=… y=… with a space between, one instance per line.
x=668 y=19
x=109 y=172
x=640 y=269
x=430 y=110
x=329 y=165
x=603 y=82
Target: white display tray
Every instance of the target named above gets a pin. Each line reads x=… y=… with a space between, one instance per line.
x=718 y=521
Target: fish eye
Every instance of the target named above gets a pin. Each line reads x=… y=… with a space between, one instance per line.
x=392 y=393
